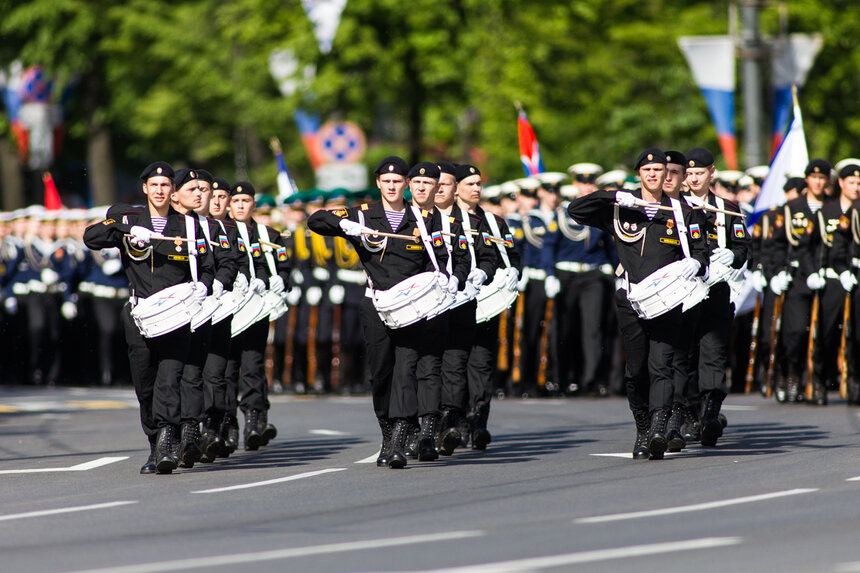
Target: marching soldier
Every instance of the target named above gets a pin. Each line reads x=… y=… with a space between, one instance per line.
x=849 y=244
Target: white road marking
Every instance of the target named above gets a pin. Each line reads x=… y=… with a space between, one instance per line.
x=45 y=512
x=694 y=507
x=555 y=561
x=78 y=468
x=369 y=459
x=328 y=432
x=856 y=478
x=854 y=566
x=738 y=408
x=273 y=555
x=270 y=481
x=629 y=455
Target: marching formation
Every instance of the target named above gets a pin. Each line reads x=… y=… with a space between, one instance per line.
x=441 y=294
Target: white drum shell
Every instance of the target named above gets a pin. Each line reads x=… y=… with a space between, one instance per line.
x=207 y=309
x=275 y=305
x=230 y=302
x=409 y=301
x=665 y=289
x=165 y=311
x=247 y=313
x=494 y=300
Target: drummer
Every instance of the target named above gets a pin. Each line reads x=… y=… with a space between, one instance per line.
x=646 y=240
x=151 y=266
x=392 y=353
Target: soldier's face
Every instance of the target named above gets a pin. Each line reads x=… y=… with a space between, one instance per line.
x=157 y=190
x=423 y=191
x=699 y=178
x=548 y=198
x=242 y=207
x=205 y=197
x=189 y=196
x=674 y=177
x=445 y=190
x=652 y=176
x=817 y=183
x=850 y=187
x=391 y=186
x=469 y=189
x=219 y=203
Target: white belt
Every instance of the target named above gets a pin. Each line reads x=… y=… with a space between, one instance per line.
x=103 y=291
x=20 y=288
x=320 y=274
x=607 y=269
x=573 y=267
x=794 y=264
x=37 y=286
x=351 y=276
x=855 y=262
x=831 y=274
x=534 y=274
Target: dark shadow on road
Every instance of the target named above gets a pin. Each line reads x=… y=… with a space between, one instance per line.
x=280 y=454
x=766 y=438
x=516 y=448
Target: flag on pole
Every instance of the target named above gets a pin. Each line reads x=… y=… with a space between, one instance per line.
x=792 y=59
x=286 y=185
x=308 y=126
x=790 y=159
x=529 y=150
x=52 y=196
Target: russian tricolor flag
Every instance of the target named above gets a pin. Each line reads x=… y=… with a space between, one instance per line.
x=529 y=150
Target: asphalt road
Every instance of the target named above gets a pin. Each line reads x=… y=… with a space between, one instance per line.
x=547 y=495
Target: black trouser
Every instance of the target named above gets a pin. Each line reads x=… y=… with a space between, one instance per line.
x=794 y=335
x=579 y=315
x=533 y=325
x=709 y=349
x=458 y=345
x=765 y=320
x=482 y=364
x=107 y=312
x=43 y=335
x=827 y=344
x=429 y=370
x=156 y=371
x=852 y=341
x=682 y=359
x=649 y=346
x=246 y=371
x=191 y=389
x=280 y=345
x=393 y=359
x=214 y=381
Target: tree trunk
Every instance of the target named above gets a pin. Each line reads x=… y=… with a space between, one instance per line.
x=11 y=177
x=100 y=169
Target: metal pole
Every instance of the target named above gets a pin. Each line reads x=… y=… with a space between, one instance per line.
x=750 y=53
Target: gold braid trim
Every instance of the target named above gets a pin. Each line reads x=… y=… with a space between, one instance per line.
x=302 y=251
x=319 y=250
x=344 y=254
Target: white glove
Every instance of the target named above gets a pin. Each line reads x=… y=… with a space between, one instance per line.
x=477 y=277
x=200 y=291
x=759 y=282
x=336 y=294
x=257 y=285
x=321 y=274
x=848 y=280
x=314 y=296
x=552 y=286
x=522 y=283
x=513 y=279
x=815 y=281
x=453 y=285
x=112 y=266
x=470 y=290
x=690 y=268
x=779 y=283
x=351 y=228
x=694 y=200
x=217 y=288
x=296 y=277
x=294 y=296
x=722 y=256
x=241 y=283
x=141 y=234
x=11 y=305
x=69 y=310
x=625 y=199
x=442 y=280
x=49 y=276
x=276 y=284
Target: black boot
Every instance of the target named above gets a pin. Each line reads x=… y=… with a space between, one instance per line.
x=640 y=446
x=397 y=459
x=149 y=466
x=480 y=436
x=792 y=392
x=165 y=461
x=853 y=392
x=465 y=426
x=673 y=428
x=385 y=449
x=412 y=436
x=229 y=435
x=819 y=394
x=449 y=436
x=267 y=430
x=189 y=448
x=210 y=440
x=690 y=430
x=657 y=442
x=711 y=427
x=253 y=437
x=426 y=444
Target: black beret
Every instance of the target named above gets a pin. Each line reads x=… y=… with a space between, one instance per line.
x=699 y=157
x=392 y=164
x=796 y=183
x=850 y=170
x=242 y=188
x=447 y=167
x=220 y=183
x=465 y=170
x=821 y=166
x=183 y=176
x=650 y=155
x=676 y=158
x=159 y=168
x=204 y=175
x=424 y=169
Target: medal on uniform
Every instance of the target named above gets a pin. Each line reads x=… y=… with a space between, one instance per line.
x=669 y=225
x=178 y=244
x=633 y=227
x=626 y=226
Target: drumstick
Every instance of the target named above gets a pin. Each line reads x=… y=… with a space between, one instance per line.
x=392 y=235
x=718 y=210
x=641 y=203
x=475 y=232
x=163 y=238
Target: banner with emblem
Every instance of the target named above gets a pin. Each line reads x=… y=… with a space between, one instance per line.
x=529 y=150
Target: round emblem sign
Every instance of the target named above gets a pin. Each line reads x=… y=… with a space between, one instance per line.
x=341 y=142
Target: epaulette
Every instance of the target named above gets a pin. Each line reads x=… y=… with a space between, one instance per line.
x=451 y=219
x=424 y=212
x=364 y=206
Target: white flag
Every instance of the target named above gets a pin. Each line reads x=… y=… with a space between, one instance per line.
x=325 y=16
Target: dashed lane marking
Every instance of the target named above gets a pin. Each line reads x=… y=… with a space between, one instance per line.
x=77 y=468
x=369 y=459
x=277 y=554
x=270 y=481
x=323 y=432
x=66 y=406
x=694 y=507
x=62 y=510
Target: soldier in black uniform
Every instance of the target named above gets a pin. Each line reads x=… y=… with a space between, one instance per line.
x=392 y=353
x=645 y=241
x=849 y=245
x=151 y=266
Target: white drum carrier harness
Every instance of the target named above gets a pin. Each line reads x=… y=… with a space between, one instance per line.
x=495 y=298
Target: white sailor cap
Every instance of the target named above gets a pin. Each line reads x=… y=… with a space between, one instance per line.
x=729 y=176
x=509 y=188
x=99 y=212
x=586 y=172
x=490 y=191
x=5 y=216
x=18 y=214
x=758 y=171
x=632 y=183
x=551 y=177
x=842 y=163
x=569 y=191
x=614 y=177
x=745 y=182
x=34 y=211
x=527 y=183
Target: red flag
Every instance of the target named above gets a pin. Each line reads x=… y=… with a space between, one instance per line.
x=52 y=197
x=529 y=151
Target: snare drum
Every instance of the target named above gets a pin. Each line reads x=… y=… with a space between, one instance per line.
x=718 y=272
x=495 y=298
x=230 y=302
x=247 y=313
x=409 y=301
x=274 y=306
x=166 y=311
x=665 y=289
x=207 y=309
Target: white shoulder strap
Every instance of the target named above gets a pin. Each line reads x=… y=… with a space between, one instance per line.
x=494 y=227
x=446 y=237
x=243 y=234
x=267 y=251
x=721 y=223
x=425 y=236
x=682 y=226
x=204 y=224
x=467 y=226
x=192 y=245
